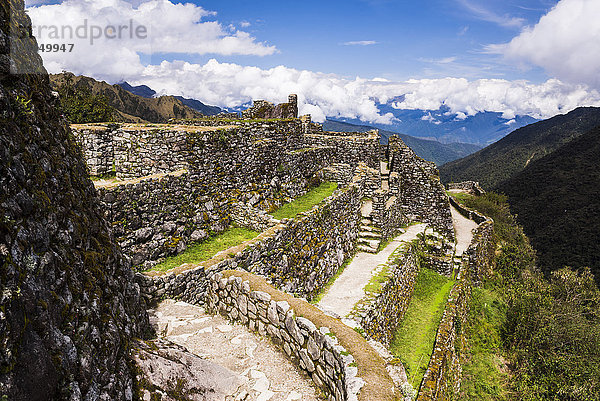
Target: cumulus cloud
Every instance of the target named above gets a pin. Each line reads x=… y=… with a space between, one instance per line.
x=320 y=94
x=111 y=35
x=230 y=85
x=188 y=28
x=360 y=43
x=565 y=42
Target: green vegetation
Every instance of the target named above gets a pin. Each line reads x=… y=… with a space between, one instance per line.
x=305 y=202
x=205 y=250
x=108 y=176
x=510 y=155
x=374 y=285
x=81 y=106
x=556 y=201
x=85 y=100
x=547 y=330
x=413 y=341
x=485 y=375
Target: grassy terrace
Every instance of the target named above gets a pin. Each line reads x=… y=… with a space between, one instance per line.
x=305 y=202
x=414 y=339
x=206 y=250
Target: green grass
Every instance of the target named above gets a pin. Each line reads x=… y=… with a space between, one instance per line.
x=484 y=372
x=306 y=201
x=374 y=285
x=108 y=176
x=460 y=195
x=413 y=341
x=205 y=250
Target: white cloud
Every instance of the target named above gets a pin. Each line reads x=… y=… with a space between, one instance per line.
x=230 y=85
x=565 y=42
x=117 y=32
x=188 y=28
x=484 y=14
x=360 y=43
x=431 y=119
x=245 y=24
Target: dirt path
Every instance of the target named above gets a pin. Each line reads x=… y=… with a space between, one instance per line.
x=265 y=372
x=348 y=288
x=464 y=231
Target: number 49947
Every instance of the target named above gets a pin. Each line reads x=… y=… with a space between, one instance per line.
x=55 y=48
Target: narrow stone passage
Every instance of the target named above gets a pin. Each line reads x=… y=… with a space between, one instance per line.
x=348 y=288
x=264 y=372
x=464 y=231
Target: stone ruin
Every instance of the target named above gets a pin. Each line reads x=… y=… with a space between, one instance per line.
x=262 y=109
x=72 y=306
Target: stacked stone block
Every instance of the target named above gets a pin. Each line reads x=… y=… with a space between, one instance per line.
x=381 y=314
x=299 y=256
x=423 y=196
x=314 y=349
x=442 y=379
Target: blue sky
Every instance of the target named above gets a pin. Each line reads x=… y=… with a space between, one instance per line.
x=414 y=39
x=344 y=58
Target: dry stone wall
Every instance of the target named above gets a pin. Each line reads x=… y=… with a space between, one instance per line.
x=68 y=306
x=350 y=147
x=314 y=349
x=442 y=379
x=97 y=145
x=252 y=218
x=264 y=109
x=423 y=196
x=380 y=314
x=140 y=150
x=160 y=217
x=470 y=186
x=298 y=256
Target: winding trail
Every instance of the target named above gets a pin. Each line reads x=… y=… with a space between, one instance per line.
x=464 y=231
x=348 y=288
x=263 y=371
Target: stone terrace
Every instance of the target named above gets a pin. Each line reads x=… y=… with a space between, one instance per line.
x=177 y=184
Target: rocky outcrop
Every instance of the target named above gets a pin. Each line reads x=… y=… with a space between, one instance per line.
x=68 y=305
x=169 y=372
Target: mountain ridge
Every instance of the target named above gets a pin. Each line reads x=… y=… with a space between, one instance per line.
x=556 y=200
x=445 y=126
x=435 y=151
x=510 y=155
x=129 y=107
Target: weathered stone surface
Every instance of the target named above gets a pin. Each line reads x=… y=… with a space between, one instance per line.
x=165 y=368
x=69 y=307
x=306 y=353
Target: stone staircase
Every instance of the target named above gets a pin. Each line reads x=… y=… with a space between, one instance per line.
x=369 y=237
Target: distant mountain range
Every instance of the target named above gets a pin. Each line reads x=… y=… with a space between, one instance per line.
x=145 y=91
x=557 y=200
x=129 y=107
x=434 y=151
x=510 y=155
x=482 y=128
